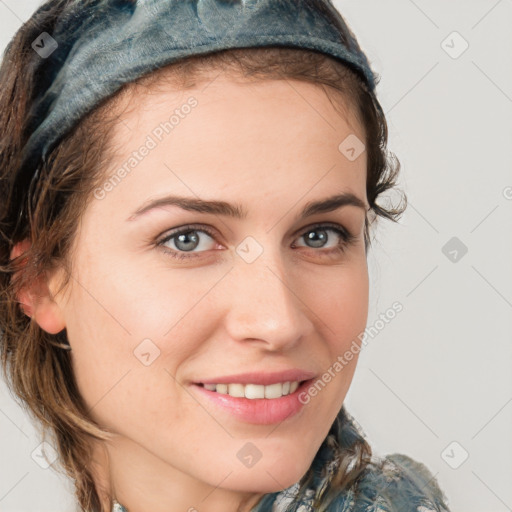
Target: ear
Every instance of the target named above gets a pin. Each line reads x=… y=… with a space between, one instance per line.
x=36 y=299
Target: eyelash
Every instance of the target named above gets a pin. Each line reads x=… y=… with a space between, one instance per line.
x=347 y=239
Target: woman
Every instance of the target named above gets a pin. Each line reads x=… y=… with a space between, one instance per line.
x=188 y=190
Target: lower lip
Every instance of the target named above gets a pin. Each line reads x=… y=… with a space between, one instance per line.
x=260 y=411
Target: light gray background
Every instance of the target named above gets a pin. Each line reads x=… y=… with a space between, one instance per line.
x=440 y=372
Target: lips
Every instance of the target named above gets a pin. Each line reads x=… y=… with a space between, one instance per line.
x=259 y=411
x=260 y=377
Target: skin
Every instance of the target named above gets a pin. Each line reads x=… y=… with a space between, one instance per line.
x=272 y=146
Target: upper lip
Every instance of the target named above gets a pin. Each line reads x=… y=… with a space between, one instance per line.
x=262 y=378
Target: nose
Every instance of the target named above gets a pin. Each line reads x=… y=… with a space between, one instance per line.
x=266 y=304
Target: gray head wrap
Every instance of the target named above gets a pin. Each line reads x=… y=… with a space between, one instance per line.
x=97 y=46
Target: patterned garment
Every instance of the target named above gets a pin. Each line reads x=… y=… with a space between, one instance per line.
x=402 y=485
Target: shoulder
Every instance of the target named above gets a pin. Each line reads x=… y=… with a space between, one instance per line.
x=398 y=483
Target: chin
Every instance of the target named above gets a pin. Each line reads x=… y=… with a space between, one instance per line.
x=274 y=476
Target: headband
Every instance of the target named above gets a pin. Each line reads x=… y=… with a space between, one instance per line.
x=97 y=46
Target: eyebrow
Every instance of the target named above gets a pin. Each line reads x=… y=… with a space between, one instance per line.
x=237 y=211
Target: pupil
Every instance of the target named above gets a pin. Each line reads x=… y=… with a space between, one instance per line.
x=183 y=238
x=317 y=240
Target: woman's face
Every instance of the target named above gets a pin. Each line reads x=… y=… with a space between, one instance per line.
x=149 y=315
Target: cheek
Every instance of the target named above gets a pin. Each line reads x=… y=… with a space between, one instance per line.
x=352 y=308
x=340 y=299
x=129 y=337
x=340 y=305
x=347 y=315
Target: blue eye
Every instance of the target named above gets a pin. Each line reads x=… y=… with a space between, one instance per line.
x=323 y=229
x=187 y=239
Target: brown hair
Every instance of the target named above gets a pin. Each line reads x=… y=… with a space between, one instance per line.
x=36 y=368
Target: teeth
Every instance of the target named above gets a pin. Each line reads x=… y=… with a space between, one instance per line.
x=253 y=391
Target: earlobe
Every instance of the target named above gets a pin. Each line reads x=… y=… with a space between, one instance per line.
x=46 y=312
x=37 y=301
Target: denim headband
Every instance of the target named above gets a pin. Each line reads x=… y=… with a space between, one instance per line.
x=97 y=46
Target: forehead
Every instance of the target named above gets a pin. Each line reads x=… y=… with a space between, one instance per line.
x=162 y=89
x=239 y=135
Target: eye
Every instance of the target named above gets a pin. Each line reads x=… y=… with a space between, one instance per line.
x=188 y=238
x=185 y=239
x=317 y=236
